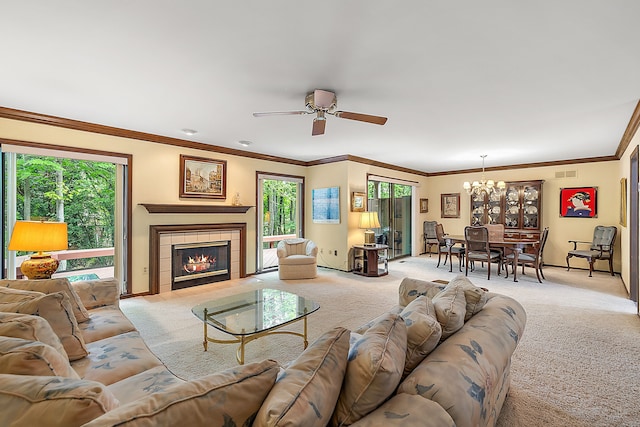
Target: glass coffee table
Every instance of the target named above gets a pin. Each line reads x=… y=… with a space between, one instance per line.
x=251 y=315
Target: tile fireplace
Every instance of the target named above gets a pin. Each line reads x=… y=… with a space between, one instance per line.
x=185 y=255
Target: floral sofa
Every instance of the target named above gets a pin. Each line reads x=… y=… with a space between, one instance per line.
x=441 y=357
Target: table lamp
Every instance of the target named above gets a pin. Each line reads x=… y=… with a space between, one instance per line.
x=39 y=236
x=369 y=220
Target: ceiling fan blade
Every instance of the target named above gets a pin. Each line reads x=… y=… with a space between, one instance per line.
x=318 y=126
x=281 y=113
x=377 y=120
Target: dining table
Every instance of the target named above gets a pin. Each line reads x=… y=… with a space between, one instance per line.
x=517 y=246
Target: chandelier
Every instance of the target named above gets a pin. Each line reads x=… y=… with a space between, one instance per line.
x=484 y=186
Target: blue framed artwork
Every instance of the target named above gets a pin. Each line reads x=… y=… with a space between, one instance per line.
x=326 y=205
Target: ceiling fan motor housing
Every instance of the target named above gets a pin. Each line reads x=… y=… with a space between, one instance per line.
x=321 y=100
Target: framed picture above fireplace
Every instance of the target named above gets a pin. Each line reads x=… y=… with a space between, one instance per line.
x=202 y=178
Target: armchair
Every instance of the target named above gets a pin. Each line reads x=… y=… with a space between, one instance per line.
x=297 y=259
x=604 y=238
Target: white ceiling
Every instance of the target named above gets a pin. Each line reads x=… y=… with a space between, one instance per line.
x=519 y=81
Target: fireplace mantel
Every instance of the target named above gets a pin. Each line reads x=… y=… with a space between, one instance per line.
x=205 y=209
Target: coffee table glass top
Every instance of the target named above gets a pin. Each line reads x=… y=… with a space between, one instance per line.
x=254 y=312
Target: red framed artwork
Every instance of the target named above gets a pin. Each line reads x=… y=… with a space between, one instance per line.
x=579 y=202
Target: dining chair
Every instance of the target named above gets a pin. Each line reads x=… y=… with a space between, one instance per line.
x=444 y=249
x=429 y=235
x=604 y=238
x=532 y=259
x=477 y=249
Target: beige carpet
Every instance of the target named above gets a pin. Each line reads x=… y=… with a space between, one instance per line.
x=576 y=364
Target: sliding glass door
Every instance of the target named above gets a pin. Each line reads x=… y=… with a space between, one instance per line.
x=392 y=201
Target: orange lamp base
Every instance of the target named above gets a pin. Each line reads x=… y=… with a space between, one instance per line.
x=40 y=266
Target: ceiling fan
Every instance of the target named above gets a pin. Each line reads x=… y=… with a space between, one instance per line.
x=321 y=102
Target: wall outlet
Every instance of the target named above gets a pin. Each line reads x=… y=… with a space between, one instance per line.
x=145 y=270
x=335 y=253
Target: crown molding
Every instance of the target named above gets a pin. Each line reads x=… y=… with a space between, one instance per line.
x=26 y=116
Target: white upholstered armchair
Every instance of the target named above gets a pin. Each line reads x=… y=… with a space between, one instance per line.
x=297 y=259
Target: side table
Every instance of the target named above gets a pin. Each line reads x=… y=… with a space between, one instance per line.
x=371 y=261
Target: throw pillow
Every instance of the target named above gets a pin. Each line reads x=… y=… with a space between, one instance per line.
x=306 y=392
x=49 y=286
x=450 y=306
x=411 y=289
x=29 y=327
x=55 y=401
x=26 y=357
x=374 y=369
x=423 y=331
x=97 y=293
x=56 y=310
x=228 y=398
x=17 y=295
x=475 y=297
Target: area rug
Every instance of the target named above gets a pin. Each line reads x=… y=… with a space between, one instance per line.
x=576 y=364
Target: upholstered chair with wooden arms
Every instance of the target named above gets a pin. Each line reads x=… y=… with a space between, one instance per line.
x=444 y=249
x=532 y=259
x=604 y=238
x=477 y=249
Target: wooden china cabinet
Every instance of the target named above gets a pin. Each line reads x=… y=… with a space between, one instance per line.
x=519 y=208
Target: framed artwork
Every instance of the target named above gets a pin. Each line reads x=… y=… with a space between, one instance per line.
x=202 y=178
x=623 y=202
x=579 y=202
x=358 y=202
x=325 y=205
x=450 y=205
x=424 y=205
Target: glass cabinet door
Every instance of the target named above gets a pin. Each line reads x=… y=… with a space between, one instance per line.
x=530 y=207
x=477 y=209
x=494 y=209
x=512 y=207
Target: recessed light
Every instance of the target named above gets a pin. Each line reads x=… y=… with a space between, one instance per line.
x=189 y=131
x=244 y=143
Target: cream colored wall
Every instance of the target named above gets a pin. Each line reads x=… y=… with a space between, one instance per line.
x=604 y=175
x=350 y=177
x=156 y=180
x=624 y=171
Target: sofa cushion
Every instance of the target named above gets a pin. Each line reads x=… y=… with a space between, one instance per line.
x=112 y=359
x=423 y=331
x=26 y=357
x=49 y=286
x=55 y=309
x=227 y=398
x=451 y=307
x=55 y=401
x=474 y=296
x=411 y=289
x=141 y=385
x=374 y=369
x=105 y=322
x=30 y=327
x=97 y=293
x=307 y=391
x=407 y=410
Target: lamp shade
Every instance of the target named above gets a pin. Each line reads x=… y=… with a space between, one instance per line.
x=38 y=236
x=369 y=220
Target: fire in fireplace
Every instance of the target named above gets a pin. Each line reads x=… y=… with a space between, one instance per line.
x=196 y=264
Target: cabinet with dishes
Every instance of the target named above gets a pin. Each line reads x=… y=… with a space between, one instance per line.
x=523 y=209
x=518 y=207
